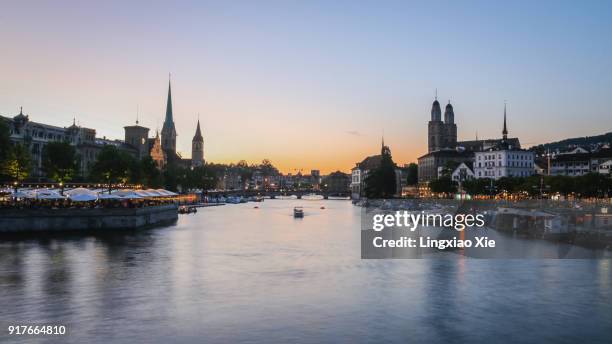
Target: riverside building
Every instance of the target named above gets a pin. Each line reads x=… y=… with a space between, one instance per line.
x=443 y=148
x=504 y=160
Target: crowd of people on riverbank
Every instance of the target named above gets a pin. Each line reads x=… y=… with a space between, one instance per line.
x=68 y=204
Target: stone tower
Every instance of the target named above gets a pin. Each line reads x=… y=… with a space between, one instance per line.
x=197 y=148
x=136 y=136
x=168 y=134
x=450 y=128
x=435 y=128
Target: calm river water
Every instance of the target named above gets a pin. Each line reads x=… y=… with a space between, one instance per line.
x=237 y=274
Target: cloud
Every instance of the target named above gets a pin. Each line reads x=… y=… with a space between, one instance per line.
x=354 y=133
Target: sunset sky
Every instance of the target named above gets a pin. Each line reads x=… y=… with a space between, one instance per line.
x=308 y=84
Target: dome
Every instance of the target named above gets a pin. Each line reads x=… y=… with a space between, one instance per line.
x=21 y=118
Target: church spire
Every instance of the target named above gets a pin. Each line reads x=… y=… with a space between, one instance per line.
x=505 y=131
x=169 y=118
x=168 y=133
x=198 y=135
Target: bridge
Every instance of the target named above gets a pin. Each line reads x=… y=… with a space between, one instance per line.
x=275 y=193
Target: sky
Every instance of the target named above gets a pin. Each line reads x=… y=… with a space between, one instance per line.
x=310 y=84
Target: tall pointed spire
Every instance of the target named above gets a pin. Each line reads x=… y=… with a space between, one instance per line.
x=169 y=118
x=198 y=135
x=505 y=131
x=168 y=129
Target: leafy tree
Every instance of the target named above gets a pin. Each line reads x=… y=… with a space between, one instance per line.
x=5 y=142
x=267 y=169
x=111 y=166
x=561 y=184
x=412 y=174
x=509 y=184
x=5 y=148
x=449 y=167
x=202 y=178
x=381 y=182
x=59 y=161
x=150 y=174
x=443 y=185
x=171 y=178
x=477 y=186
x=18 y=163
x=593 y=185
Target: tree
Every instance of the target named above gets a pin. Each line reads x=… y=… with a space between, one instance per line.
x=593 y=185
x=18 y=164
x=443 y=185
x=267 y=169
x=171 y=180
x=381 y=181
x=508 y=184
x=477 y=186
x=5 y=148
x=150 y=174
x=5 y=141
x=59 y=161
x=449 y=167
x=412 y=177
x=202 y=177
x=111 y=166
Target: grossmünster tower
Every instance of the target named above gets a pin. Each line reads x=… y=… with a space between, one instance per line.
x=441 y=134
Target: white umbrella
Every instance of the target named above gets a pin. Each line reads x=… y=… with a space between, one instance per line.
x=143 y=193
x=22 y=194
x=127 y=194
x=83 y=197
x=80 y=191
x=153 y=193
x=48 y=194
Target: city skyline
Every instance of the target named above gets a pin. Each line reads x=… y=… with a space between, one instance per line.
x=315 y=93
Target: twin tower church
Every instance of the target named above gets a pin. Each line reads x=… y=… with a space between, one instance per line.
x=163 y=149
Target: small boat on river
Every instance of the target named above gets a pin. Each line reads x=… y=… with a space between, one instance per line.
x=298 y=212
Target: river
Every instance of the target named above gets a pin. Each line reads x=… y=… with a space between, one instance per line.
x=234 y=274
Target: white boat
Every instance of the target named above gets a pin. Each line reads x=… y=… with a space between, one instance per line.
x=312 y=197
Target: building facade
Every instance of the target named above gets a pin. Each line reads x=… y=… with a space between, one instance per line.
x=504 y=160
x=580 y=162
x=443 y=147
x=35 y=136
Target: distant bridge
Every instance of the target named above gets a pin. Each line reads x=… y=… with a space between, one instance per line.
x=275 y=193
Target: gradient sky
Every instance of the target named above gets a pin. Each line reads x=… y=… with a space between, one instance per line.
x=311 y=84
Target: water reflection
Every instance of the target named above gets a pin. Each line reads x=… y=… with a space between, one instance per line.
x=239 y=274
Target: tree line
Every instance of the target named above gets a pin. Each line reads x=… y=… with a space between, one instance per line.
x=61 y=164
x=588 y=185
